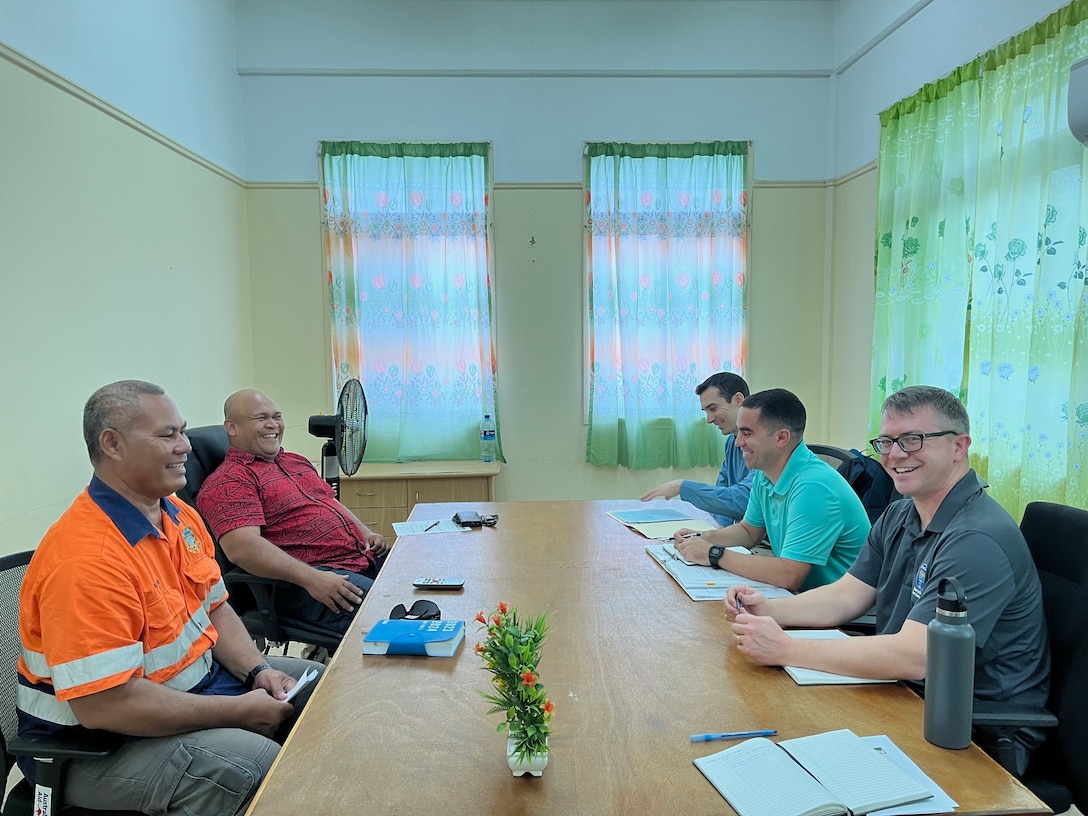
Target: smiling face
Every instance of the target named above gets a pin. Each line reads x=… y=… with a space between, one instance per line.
x=932 y=470
x=254 y=424
x=720 y=411
x=147 y=459
x=763 y=449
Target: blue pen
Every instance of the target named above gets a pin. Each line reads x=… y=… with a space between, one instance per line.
x=730 y=735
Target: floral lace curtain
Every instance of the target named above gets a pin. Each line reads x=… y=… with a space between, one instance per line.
x=666 y=262
x=981 y=285
x=407 y=241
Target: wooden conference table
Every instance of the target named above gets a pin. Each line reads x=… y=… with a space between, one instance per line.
x=634 y=668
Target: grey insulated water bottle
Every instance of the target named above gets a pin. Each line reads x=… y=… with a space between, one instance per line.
x=950 y=669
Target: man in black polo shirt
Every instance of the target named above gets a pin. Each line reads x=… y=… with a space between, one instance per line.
x=947 y=527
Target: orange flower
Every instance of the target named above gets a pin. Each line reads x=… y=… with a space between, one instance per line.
x=479 y=648
x=528 y=678
x=503 y=607
x=480 y=617
x=549 y=708
x=496 y=620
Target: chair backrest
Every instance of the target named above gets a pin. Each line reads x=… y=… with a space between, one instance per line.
x=12 y=570
x=210 y=444
x=838 y=458
x=1057 y=536
x=870 y=481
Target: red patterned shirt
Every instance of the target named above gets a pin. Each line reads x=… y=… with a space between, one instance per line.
x=294 y=507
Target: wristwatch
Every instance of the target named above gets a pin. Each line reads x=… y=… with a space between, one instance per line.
x=252 y=676
x=715 y=555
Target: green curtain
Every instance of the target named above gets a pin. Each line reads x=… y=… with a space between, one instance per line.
x=407 y=246
x=981 y=253
x=666 y=265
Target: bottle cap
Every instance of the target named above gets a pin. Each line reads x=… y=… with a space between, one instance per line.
x=951 y=601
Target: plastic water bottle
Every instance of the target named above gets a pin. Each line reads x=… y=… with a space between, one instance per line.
x=487 y=439
x=950 y=669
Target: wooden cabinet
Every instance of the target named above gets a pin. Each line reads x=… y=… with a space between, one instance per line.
x=380 y=494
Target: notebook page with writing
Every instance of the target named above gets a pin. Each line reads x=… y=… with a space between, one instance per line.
x=855 y=774
x=759 y=779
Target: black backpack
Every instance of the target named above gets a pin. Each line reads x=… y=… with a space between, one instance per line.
x=872 y=484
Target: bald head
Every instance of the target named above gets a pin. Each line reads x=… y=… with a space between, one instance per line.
x=254 y=423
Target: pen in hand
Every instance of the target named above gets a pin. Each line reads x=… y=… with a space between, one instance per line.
x=692 y=535
x=731 y=735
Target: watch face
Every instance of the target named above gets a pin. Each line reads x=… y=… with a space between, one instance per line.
x=716 y=552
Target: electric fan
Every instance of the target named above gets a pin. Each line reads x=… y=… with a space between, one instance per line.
x=345 y=434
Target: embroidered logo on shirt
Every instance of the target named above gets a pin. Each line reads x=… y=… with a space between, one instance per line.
x=919 y=582
x=192 y=543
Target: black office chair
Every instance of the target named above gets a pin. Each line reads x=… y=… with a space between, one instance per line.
x=51 y=754
x=1057 y=536
x=838 y=458
x=251 y=596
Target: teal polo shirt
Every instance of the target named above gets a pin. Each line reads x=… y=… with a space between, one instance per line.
x=811 y=515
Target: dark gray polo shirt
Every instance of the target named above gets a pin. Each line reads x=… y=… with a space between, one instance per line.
x=974 y=539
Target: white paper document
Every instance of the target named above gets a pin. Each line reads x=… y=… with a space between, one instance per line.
x=941 y=801
x=705 y=583
x=404 y=528
x=300 y=685
x=814 y=677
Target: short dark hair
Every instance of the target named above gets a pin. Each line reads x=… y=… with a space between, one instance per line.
x=116 y=406
x=944 y=403
x=727 y=384
x=779 y=408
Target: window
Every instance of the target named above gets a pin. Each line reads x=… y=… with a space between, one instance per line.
x=666 y=262
x=408 y=253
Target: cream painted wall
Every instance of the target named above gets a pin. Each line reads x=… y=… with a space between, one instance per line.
x=119 y=257
x=850 y=321
x=291 y=350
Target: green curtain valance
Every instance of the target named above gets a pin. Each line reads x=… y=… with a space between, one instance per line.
x=391 y=150
x=666 y=151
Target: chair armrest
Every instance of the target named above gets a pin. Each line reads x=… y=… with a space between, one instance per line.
x=68 y=746
x=988 y=713
x=240 y=576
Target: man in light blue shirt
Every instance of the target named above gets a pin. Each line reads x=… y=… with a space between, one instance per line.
x=814 y=521
x=721 y=396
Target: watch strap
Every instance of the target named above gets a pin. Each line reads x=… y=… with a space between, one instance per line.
x=251 y=678
x=714 y=555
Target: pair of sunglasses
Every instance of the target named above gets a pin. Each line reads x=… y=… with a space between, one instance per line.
x=421 y=610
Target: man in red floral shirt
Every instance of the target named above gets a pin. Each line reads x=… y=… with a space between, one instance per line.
x=277 y=518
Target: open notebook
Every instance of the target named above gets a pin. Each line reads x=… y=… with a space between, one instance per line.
x=822 y=775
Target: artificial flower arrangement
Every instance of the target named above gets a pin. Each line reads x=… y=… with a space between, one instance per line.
x=511 y=652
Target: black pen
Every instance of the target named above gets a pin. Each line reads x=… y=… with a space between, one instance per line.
x=431 y=527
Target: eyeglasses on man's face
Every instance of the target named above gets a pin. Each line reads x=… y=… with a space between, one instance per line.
x=908 y=443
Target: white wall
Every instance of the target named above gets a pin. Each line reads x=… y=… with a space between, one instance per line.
x=935 y=37
x=168 y=63
x=536 y=79
x=804 y=79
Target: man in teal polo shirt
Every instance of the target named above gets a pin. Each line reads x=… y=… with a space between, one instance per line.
x=814 y=521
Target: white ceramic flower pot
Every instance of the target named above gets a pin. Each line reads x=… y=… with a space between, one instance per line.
x=532 y=764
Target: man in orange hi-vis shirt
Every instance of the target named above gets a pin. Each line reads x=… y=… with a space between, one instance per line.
x=125 y=628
